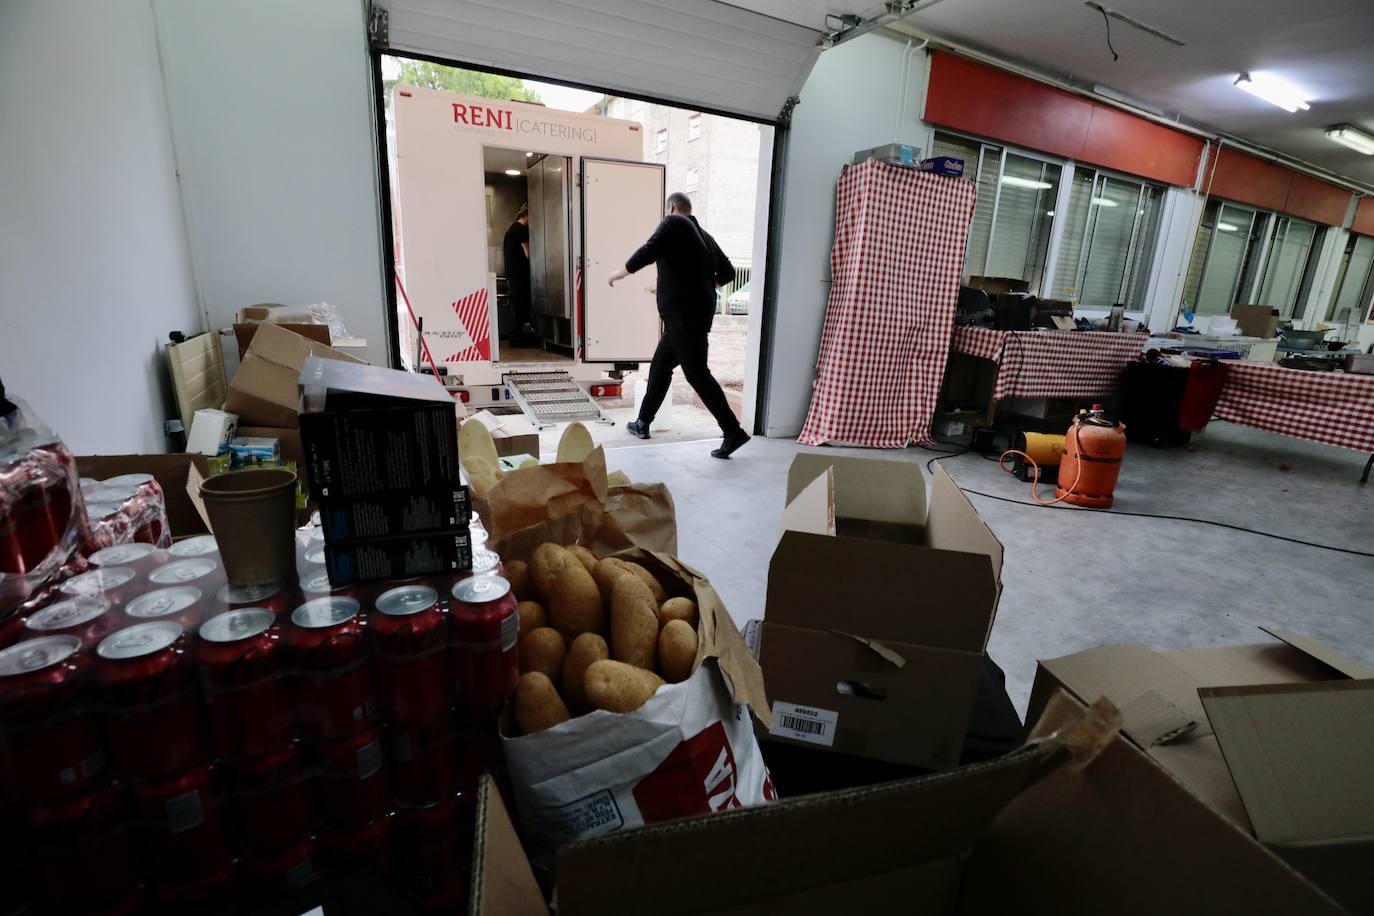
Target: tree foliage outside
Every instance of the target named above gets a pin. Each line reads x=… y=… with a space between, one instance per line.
x=465 y=82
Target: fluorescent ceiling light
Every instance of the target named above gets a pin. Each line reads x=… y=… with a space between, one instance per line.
x=1273 y=90
x=515 y=172
x=1016 y=181
x=1103 y=202
x=1228 y=227
x=1049 y=213
x=528 y=155
x=1352 y=137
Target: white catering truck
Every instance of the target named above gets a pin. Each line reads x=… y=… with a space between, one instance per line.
x=462 y=167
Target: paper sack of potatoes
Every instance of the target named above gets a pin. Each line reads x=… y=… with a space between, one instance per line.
x=635 y=692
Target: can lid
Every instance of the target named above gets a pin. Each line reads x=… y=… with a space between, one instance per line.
x=117 y=494
x=122 y=553
x=315 y=555
x=324 y=612
x=139 y=640
x=162 y=602
x=317 y=583
x=406 y=600
x=484 y=561
x=37 y=654
x=97 y=581
x=248 y=594
x=183 y=571
x=314 y=534
x=481 y=589
x=70 y=613
x=100 y=509
x=241 y=623
x=129 y=480
x=195 y=547
x=479 y=536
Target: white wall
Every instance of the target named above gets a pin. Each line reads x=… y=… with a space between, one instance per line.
x=93 y=264
x=273 y=123
x=850 y=102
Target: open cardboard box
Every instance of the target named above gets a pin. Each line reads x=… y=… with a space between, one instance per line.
x=264 y=392
x=878 y=611
x=1045 y=829
x=1256 y=320
x=248 y=320
x=173 y=474
x=1278 y=738
x=513 y=434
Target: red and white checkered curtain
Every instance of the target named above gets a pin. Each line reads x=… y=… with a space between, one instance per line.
x=895 y=270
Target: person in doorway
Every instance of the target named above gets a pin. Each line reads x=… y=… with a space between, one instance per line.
x=516 y=249
x=691 y=267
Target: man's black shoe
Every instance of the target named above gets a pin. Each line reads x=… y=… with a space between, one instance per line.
x=733 y=440
x=638 y=428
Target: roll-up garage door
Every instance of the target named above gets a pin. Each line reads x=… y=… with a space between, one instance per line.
x=701 y=54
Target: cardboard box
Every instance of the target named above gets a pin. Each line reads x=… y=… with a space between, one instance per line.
x=1256 y=320
x=400 y=557
x=248 y=320
x=1272 y=736
x=877 y=611
x=512 y=433
x=368 y=430
x=1036 y=831
x=393 y=513
x=265 y=390
x=172 y=473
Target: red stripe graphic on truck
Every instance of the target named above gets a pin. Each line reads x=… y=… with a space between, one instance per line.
x=473 y=315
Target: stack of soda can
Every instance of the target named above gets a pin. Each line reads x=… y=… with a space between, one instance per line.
x=41 y=523
x=180 y=742
x=124 y=509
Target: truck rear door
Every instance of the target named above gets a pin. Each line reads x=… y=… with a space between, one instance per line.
x=622 y=202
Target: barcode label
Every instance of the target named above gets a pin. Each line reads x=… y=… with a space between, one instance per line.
x=804 y=723
x=184 y=811
x=510 y=632
x=369 y=759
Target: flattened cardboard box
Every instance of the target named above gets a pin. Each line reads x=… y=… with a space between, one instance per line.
x=878 y=611
x=265 y=390
x=1031 y=832
x=1179 y=706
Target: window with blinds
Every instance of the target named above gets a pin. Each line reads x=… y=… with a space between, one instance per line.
x=1354 y=286
x=1221 y=253
x=1108 y=242
x=1291 y=253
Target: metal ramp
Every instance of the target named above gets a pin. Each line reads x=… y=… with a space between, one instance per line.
x=552 y=397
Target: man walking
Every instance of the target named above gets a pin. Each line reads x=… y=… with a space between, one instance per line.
x=690 y=268
x=516 y=249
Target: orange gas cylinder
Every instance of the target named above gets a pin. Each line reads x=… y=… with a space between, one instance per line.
x=1093 y=450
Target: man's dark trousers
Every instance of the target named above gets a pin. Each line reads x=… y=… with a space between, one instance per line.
x=685 y=345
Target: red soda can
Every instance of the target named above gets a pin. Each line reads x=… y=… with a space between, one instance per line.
x=275 y=597
x=199 y=546
x=335 y=691
x=478 y=747
x=243 y=672
x=430 y=847
x=267 y=875
x=209 y=895
x=183 y=817
x=352 y=785
x=183 y=604
x=272 y=801
x=409 y=644
x=118 y=584
x=89 y=618
x=135 y=480
x=141 y=558
x=89 y=836
x=316 y=584
x=49 y=742
x=152 y=710
x=11 y=630
x=424 y=761
x=484 y=628
x=202 y=572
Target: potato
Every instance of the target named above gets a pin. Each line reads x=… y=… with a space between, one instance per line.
x=542 y=649
x=684 y=609
x=518 y=575
x=634 y=623
x=532 y=616
x=570 y=594
x=618 y=687
x=537 y=704
x=677 y=649
x=584 y=556
x=575 y=444
x=584 y=651
x=545 y=562
x=617 y=479
x=648 y=579
x=609 y=569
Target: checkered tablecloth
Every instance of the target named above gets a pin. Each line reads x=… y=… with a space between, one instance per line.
x=1052 y=364
x=1336 y=408
x=895 y=269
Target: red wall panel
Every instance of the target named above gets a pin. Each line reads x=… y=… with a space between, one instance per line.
x=993 y=103
x=1317 y=200
x=1364 y=216
x=1250 y=181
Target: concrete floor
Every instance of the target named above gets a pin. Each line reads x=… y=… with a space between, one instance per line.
x=1073 y=579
